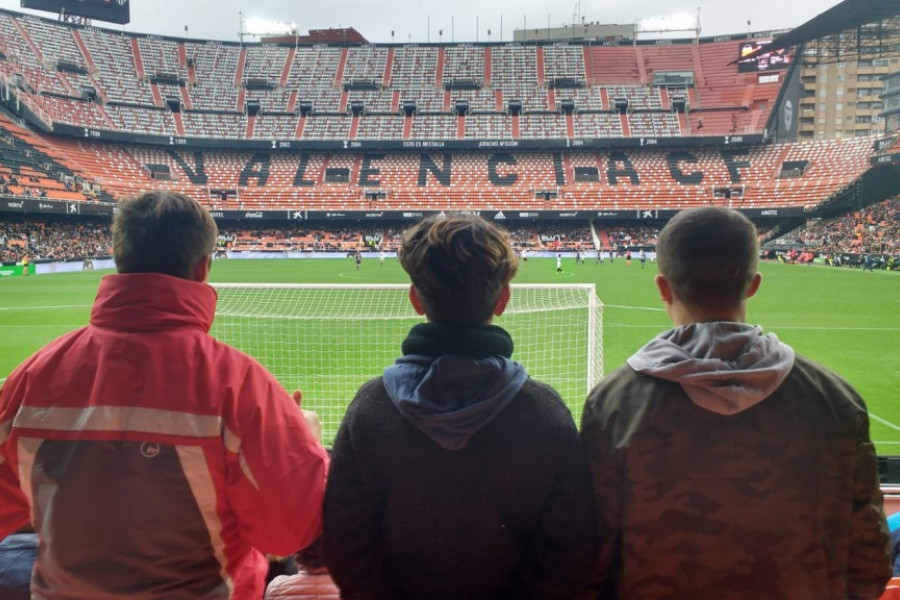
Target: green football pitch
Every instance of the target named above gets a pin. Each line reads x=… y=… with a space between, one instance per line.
x=845 y=319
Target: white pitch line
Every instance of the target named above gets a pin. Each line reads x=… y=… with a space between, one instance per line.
x=777 y=327
x=32 y=307
x=650 y=308
x=885 y=422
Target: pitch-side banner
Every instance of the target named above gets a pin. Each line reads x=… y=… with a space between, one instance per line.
x=54 y=207
x=31 y=205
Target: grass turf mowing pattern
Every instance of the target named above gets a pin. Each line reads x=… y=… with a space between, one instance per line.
x=842 y=318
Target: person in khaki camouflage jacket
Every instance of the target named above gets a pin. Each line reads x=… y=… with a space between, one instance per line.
x=724 y=465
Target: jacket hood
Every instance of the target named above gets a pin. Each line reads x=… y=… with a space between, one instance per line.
x=153 y=302
x=723 y=367
x=451 y=396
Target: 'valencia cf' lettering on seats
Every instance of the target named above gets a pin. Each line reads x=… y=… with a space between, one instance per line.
x=368 y=172
x=299 y=180
x=494 y=176
x=427 y=165
x=680 y=176
x=256 y=168
x=197 y=175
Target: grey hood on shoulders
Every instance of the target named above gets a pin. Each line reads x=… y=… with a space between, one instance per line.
x=723 y=367
x=450 y=398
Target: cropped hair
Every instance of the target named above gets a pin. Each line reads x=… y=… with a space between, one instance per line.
x=162 y=232
x=709 y=256
x=458 y=265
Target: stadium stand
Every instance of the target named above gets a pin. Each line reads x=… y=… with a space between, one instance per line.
x=874 y=229
x=133 y=74
x=213 y=85
x=54 y=241
x=616 y=179
x=490 y=96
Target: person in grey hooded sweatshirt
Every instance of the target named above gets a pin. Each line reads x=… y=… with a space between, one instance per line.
x=455 y=475
x=725 y=465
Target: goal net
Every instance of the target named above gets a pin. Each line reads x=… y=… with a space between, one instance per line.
x=327 y=340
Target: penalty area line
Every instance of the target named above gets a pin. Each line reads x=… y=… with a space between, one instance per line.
x=885 y=422
x=39 y=307
x=650 y=308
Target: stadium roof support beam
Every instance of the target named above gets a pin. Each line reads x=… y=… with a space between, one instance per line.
x=853 y=29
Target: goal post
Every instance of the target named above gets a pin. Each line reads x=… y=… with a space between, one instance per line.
x=328 y=339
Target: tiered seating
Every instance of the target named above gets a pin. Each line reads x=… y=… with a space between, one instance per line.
x=220 y=77
x=116 y=73
x=327 y=127
x=211 y=125
x=513 y=66
x=585 y=98
x=23 y=60
x=14 y=46
x=434 y=127
x=426 y=99
x=169 y=90
x=464 y=62
x=488 y=127
x=674 y=57
x=483 y=100
x=563 y=62
x=324 y=99
x=653 y=124
x=597 y=125
x=160 y=57
x=543 y=126
x=26 y=169
x=374 y=100
x=82 y=114
x=282 y=127
x=141 y=120
x=414 y=67
x=56 y=43
x=266 y=63
x=215 y=66
x=384 y=127
x=313 y=74
x=628 y=179
x=719 y=75
x=639 y=96
x=533 y=98
x=614 y=65
x=366 y=62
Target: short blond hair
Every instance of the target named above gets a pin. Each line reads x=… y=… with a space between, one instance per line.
x=458 y=265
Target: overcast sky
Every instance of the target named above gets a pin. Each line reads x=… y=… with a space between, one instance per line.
x=376 y=19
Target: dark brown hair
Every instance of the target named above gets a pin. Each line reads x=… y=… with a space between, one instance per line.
x=458 y=265
x=709 y=256
x=162 y=232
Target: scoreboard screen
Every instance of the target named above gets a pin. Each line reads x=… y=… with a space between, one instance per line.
x=111 y=11
x=770 y=61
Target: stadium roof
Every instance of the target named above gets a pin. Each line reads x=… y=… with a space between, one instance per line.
x=872 y=24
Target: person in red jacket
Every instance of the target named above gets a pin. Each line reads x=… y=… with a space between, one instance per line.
x=154 y=461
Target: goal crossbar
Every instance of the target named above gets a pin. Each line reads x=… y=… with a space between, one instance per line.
x=328 y=339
